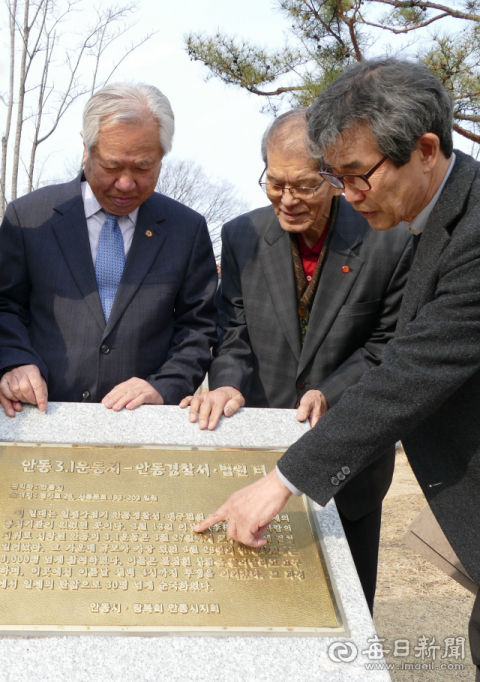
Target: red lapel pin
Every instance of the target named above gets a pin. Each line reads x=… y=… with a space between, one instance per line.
x=345 y=268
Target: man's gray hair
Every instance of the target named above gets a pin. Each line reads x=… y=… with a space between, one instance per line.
x=284 y=131
x=398 y=100
x=130 y=104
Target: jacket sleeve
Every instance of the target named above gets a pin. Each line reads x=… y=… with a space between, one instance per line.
x=195 y=319
x=382 y=331
x=233 y=358
x=436 y=353
x=15 y=346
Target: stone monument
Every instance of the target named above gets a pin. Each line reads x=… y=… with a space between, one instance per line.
x=97 y=510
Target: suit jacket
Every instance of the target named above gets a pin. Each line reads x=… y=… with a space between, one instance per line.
x=163 y=320
x=427 y=389
x=353 y=315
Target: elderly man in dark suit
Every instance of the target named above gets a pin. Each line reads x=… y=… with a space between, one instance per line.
x=106 y=287
x=385 y=130
x=308 y=299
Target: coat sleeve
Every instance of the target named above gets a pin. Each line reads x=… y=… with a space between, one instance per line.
x=15 y=346
x=233 y=358
x=382 y=331
x=421 y=369
x=195 y=320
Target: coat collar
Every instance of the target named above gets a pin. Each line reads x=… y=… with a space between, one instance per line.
x=333 y=288
x=436 y=236
x=70 y=227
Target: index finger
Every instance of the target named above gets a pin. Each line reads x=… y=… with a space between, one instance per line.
x=194 y=405
x=211 y=520
x=40 y=391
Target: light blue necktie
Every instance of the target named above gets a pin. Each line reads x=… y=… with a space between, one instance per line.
x=110 y=262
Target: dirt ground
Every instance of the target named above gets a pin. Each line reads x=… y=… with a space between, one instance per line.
x=415 y=601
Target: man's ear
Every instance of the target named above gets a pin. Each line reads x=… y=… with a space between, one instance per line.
x=428 y=146
x=85 y=154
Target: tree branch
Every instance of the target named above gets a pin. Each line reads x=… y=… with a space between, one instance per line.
x=398 y=31
x=425 y=4
x=466 y=133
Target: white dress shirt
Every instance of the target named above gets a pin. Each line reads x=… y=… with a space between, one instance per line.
x=95 y=216
x=416 y=227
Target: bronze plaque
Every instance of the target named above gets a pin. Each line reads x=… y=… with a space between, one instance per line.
x=101 y=539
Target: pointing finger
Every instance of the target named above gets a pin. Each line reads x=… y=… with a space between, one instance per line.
x=216 y=517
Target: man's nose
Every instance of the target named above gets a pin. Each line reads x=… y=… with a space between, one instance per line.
x=288 y=199
x=125 y=183
x=352 y=194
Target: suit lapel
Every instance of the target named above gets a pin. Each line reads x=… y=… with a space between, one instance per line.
x=148 y=238
x=72 y=234
x=334 y=285
x=277 y=263
x=435 y=238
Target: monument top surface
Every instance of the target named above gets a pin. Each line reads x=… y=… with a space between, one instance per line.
x=149 y=425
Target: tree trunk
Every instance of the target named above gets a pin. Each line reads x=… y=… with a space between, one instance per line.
x=21 y=100
x=3 y=174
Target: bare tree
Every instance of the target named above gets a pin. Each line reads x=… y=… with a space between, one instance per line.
x=217 y=200
x=48 y=54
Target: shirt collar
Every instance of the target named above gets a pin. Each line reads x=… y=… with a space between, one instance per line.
x=305 y=250
x=418 y=224
x=91 y=205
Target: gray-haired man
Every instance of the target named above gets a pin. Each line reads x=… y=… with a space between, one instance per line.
x=385 y=130
x=106 y=287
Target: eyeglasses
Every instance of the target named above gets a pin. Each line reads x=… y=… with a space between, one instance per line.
x=296 y=192
x=358 y=182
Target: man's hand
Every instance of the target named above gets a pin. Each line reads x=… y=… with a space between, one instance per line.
x=225 y=400
x=23 y=384
x=250 y=510
x=131 y=394
x=10 y=406
x=312 y=406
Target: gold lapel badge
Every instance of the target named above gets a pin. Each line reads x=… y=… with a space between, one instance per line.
x=149 y=233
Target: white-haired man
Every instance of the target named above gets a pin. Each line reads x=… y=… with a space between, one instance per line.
x=106 y=287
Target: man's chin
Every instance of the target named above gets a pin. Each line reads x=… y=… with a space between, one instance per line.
x=377 y=221
x=292 y=227
x=121 y=207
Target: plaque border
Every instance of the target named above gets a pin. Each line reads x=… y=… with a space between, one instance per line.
x=341 y=630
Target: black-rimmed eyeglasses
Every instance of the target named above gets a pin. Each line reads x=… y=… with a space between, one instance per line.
x=358 y=182
x=273 y=191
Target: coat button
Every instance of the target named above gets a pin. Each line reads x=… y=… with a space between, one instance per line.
x=341 y=476
x=346 y=471
x=334 y=480
x=86 y=395
x=345 y=268
x=300 y=384
x=105 y=349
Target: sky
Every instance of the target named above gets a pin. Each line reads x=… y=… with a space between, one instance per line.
x=217 y=126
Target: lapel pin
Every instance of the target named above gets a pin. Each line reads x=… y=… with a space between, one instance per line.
x=345 y=268
x=149 y=233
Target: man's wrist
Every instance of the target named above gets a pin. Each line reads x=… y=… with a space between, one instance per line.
x=294 y=490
